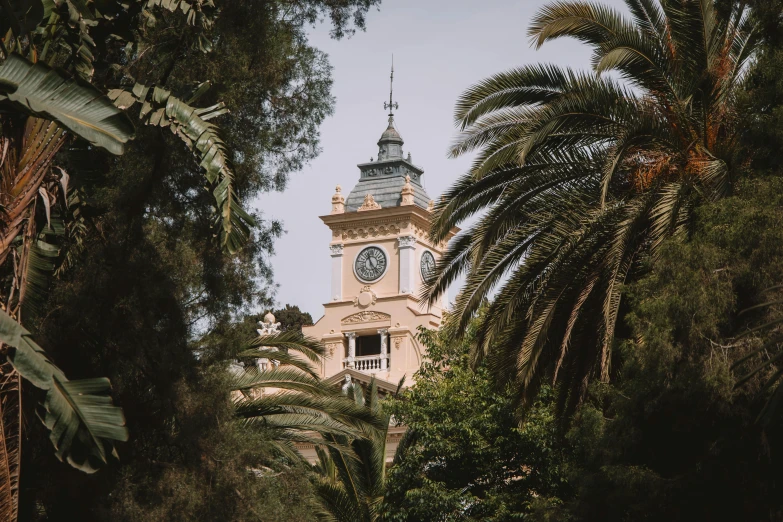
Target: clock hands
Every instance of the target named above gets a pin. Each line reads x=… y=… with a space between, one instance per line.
x=370 y=264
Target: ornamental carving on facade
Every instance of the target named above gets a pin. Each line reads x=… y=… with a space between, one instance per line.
x=366 y=297
x=366 y=316
x=407 y=241
x=374 y=231
x=369 y=204
x=399 y=170
x=332 y=347
x=337 y=250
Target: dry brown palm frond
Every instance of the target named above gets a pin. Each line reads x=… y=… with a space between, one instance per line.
x=10 y=441
x=25 y=167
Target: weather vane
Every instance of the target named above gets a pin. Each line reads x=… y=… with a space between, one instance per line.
x=392 y=104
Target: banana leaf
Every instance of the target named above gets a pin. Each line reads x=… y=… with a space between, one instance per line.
x=80 y=416
x=79 y=107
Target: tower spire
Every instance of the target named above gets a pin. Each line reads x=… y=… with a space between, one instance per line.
x=392 y=104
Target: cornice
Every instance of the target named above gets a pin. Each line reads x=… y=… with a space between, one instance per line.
x=346 y=301
x=388 y=222
x=382 y=214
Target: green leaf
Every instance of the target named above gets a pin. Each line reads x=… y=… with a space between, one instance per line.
x=80 y=415
x=77 y=106
x=191 y=125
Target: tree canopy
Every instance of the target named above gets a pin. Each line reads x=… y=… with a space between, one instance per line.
x=145 y=278
x=627 y=368
x=581 y=174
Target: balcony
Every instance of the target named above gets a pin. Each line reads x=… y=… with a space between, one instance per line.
x=367 y=363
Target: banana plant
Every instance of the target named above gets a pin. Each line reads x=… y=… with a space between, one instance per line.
x=39 y=108
x=162 y=109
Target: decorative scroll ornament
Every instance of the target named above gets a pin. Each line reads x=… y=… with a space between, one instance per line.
x=366 y=297
x=269 y=326
x=337 y=250
x=332 y=347
x=366 y=316
x=369 y=204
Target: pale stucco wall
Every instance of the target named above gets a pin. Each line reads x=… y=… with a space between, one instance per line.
x=355 y=231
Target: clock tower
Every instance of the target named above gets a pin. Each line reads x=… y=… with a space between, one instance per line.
x=380 y=257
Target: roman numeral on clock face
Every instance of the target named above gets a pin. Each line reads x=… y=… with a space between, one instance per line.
x=370 y=264
x=427 y=265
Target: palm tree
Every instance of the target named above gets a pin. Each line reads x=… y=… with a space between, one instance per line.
x=579 y=177
x=294 y=405
x=352 y=484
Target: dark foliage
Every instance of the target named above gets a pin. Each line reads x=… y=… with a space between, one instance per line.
x=470 y=458
x=291 y=318
x=147 y=280
x=671 y=439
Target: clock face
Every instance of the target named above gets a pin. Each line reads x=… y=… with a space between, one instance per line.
x=427 y=265
x=370 y=264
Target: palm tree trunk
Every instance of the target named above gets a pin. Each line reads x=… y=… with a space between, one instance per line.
x=10 y=441
x=24 y=164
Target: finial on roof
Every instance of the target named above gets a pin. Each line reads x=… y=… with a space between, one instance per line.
x=338 y=201
x=369 y=203
x=407 y=192
x=269 y=326
x=392 y=104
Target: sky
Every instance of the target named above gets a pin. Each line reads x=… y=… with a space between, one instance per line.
x=440 y=48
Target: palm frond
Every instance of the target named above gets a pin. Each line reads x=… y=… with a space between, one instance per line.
x=769 y=364
x=355 y=487
x=292 y=341
x=579 y=175
x=589 y=22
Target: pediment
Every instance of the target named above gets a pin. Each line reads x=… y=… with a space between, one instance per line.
x=366 y=316
x=363 y=379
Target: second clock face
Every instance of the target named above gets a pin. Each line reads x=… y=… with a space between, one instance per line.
x=370 y=264
x=427 y=265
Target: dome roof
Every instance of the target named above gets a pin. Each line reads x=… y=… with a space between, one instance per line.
x=385 y=178
x=386 y=189
x=390 y=134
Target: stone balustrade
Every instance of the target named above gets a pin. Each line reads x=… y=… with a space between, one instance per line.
x=367 y=363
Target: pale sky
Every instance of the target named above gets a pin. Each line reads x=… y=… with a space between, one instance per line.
x=440 y=47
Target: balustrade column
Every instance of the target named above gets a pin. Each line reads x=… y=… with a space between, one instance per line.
x=351 y=348
x=384 y=348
